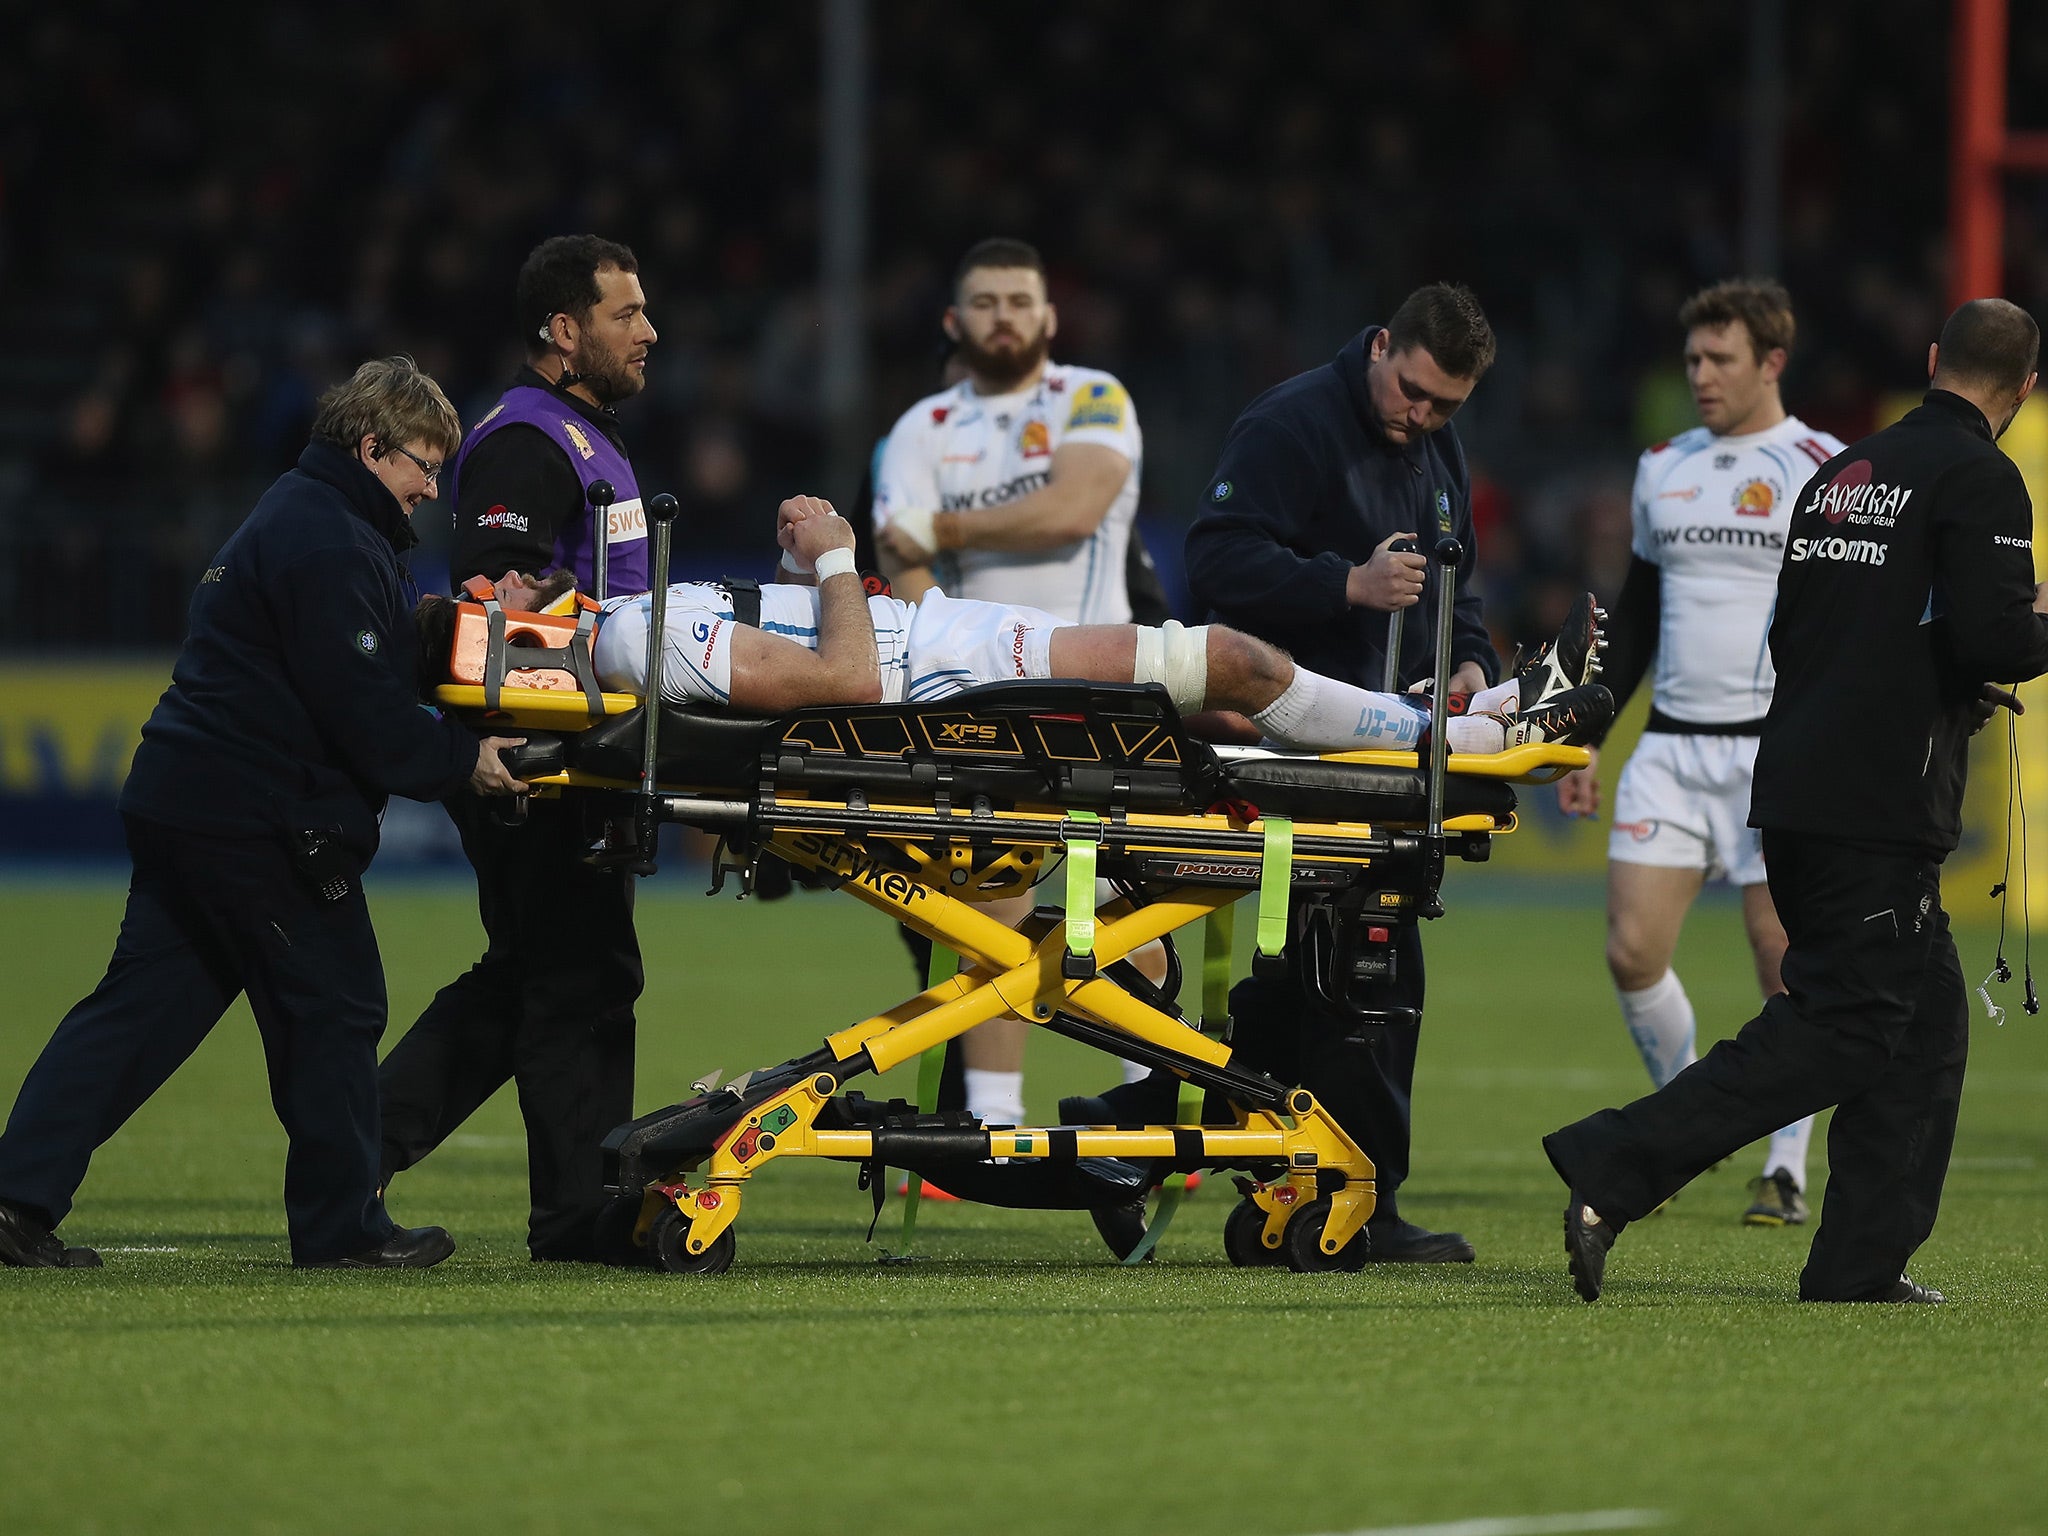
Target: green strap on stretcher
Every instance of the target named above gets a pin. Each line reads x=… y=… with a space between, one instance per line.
x=1219 y=936
x=1081 y=853
x=931 y=1068
x=1276 y=872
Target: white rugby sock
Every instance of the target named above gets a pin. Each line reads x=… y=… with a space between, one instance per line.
x=1319 y=714
x=1660 y=1021
x=995 y=1098
x=1788 y=1151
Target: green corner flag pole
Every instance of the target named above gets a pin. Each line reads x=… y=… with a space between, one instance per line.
x=931 y=1066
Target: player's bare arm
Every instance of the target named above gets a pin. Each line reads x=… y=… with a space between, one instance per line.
x=1082 y=486
x=770 y=673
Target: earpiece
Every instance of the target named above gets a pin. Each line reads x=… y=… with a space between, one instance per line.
x=547 y=333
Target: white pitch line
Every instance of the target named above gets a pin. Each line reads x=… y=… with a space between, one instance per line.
x=1525 y=1525
x=138 y=1250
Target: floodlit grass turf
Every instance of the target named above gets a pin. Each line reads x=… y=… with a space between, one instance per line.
x=1015 y=1379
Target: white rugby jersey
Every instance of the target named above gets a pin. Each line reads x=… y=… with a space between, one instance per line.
x=1711 y=513
x=957 y=450
x=698 y=624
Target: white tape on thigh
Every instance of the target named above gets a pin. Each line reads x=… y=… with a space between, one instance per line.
x=1177 y=656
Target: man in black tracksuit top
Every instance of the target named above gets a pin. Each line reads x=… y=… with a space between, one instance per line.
x=1907 y=593
x=1318 y=478
x=251 y=811
x=550 y=1004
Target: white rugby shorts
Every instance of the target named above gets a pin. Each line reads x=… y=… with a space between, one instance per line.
x=1683 y=803
x=956 y=644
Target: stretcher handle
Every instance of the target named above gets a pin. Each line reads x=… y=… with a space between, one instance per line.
x=601 y=497
x=1448 y=553
x=661 y=514
x=1390 y=679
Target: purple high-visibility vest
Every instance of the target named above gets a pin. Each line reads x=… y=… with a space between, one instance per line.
x=594 y=458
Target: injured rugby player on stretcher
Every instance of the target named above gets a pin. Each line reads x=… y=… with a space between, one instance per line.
x=821 y=639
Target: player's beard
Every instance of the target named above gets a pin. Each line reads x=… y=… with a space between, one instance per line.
x=610 y=377
x=1003 y=370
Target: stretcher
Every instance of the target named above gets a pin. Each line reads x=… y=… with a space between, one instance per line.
x=924 y=811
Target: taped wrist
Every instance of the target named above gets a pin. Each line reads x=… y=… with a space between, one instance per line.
x=835 y=562
x=791 y=564
x=916 y=523
x=1177 y=656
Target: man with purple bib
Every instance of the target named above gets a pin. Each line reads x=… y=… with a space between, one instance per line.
x=550 y=1005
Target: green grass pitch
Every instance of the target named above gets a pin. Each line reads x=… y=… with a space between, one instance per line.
x=1014 y=1379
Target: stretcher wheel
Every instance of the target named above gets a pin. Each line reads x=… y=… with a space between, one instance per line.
x=669 y=1238
x=1303 y=1239
x=1242 y=1230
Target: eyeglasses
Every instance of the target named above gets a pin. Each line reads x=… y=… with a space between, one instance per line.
x=431 y=471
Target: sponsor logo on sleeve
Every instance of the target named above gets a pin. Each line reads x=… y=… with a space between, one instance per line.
x=500 y=516
x=1099 y=405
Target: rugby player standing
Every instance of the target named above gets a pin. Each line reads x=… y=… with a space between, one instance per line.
x=1019 y=484
x=1710 y=510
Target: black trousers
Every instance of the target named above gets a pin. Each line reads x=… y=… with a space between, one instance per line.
x=1874 y=1021
x=1364 y=1074
x=208 y=919
x=549 y=1008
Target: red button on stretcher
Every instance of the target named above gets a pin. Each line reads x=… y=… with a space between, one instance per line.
x=1377 y=935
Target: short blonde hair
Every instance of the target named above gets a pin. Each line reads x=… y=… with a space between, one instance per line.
x=390 y=399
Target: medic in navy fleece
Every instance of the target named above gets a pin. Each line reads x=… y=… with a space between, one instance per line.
x=250 y=813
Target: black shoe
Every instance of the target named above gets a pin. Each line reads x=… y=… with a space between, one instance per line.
x=1778 y=1202
x=1910 y=1290
x=1394 y=1241
x=26 y=1242
x=1573 y=718
x=1586 y=1241
x=407 y=1248
x=1572 y=660
x=1122 y=1226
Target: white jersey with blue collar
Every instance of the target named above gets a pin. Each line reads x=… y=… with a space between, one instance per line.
x=1711 y=512
x=959 y=450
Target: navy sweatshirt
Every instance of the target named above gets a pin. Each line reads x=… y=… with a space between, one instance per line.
x=1307 y=487
x=293 y=703
x=1908 y=584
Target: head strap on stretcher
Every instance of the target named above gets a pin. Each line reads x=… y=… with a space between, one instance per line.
x=501 y=657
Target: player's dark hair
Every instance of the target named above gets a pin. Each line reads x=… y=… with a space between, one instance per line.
x=1991 y=343
x=1000 y=253
x=1445 y=320
x=433 y=629
x=560 y=278
x=1763 y=307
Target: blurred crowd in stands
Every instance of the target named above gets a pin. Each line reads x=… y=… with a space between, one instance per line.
x=200 y=227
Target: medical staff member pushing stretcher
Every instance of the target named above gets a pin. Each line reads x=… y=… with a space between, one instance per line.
x=251 y=811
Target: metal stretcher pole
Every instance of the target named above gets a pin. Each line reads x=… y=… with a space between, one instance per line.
x=661 y=513
x=1448 y=553
x=1390 y=678
x=601 y=496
